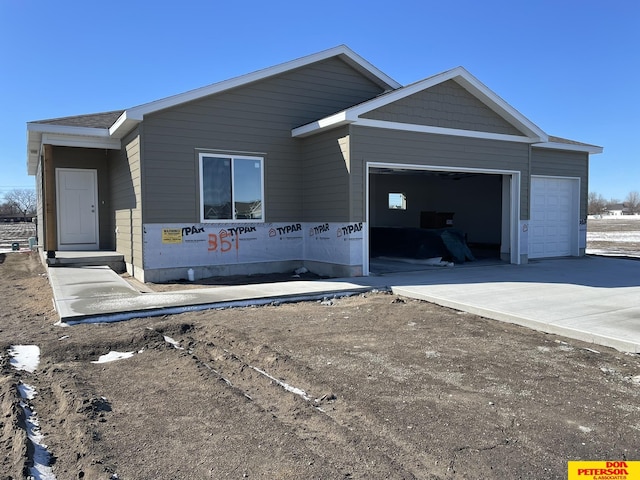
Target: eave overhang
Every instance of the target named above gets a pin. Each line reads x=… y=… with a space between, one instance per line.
x=572 y=146
x=39 y=134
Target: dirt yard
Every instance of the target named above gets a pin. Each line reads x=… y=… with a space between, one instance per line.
x=614 y=236
x=371 y=386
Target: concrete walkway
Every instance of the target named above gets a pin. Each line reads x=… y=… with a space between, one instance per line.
x=594 y=299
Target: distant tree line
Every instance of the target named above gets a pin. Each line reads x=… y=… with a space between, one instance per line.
x=18 y=204
x=597 y=205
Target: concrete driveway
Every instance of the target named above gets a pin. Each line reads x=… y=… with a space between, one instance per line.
x=595 y=299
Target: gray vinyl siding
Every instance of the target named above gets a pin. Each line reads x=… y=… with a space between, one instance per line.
x=256 y=119
x=326 y=177
x=394 y=146
x=446 y=105
x=562 y=163
x=96 y=159
x=126 y=192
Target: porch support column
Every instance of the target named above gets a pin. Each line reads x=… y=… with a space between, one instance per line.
x=50 y=223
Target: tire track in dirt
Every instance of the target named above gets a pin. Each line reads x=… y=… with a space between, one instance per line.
x=329 y=425
x=70 y=410
x=13 y=434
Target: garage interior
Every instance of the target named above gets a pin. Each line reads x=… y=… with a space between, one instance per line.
x=411 y=207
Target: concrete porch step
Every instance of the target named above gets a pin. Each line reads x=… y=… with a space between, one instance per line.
x=113 y=260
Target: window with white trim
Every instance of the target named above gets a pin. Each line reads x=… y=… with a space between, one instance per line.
x=231 y=188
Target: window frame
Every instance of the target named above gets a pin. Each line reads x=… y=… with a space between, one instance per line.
x=402 y=206
x=231 y=157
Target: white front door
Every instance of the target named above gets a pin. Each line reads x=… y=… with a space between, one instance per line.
x=553 y=230
x=77 y=200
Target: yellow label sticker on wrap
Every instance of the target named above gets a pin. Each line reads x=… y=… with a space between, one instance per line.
x=171 y=235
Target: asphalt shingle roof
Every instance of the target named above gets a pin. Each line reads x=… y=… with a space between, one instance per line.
x=93 y=120
x=568 y=142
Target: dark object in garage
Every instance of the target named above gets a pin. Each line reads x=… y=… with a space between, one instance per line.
x=436 y=219
x=420 y=243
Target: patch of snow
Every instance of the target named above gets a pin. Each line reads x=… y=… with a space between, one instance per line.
x=25 y=357
x=284 y=385
x=610 y=253
x=585 y=429
x=11 y=250
x=26 y=391
x=172 y=342
x=113 y=356
x=616 y=217
x=41 y=456
x=624 y=237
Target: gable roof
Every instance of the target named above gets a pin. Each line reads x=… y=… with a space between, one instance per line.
x=532 y=134
x=134 y=115
x=104 y=130
x=354 y=115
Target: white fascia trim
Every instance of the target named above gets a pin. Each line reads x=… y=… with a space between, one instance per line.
x=34 y=148
x=39 y=134
x=498 y=105
x=337 y=120
x=137 y=113
x=67 y=130
x=403 y=92
x=81 y=141
x=64 y=136
x=441 y=168
x=594 y=149
x=409 y=127
x=360 y=63
x=124 y=124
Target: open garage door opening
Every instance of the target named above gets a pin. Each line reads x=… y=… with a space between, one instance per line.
x=421 y=216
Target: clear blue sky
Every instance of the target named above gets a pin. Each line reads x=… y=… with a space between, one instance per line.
x=570 y=66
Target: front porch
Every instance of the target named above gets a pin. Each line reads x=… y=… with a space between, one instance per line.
x=111 y=259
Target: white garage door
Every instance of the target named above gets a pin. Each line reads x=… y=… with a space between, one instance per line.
x=553 y=230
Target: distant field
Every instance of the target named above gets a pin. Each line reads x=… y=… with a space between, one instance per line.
x=614 y=236
x=16 y=232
